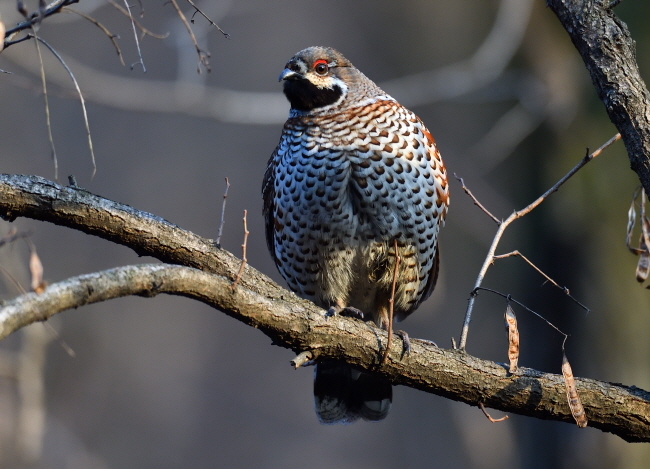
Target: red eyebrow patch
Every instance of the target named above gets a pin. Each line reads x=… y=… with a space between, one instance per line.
x=320 y=61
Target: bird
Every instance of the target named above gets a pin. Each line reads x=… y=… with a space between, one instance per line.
x=354 y=178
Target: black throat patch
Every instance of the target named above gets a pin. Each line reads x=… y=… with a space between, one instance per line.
x=305 y=96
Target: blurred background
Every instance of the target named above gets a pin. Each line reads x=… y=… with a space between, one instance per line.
x=168 y=382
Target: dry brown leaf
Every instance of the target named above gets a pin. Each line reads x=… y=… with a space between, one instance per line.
x=36 y=271
x=572 y=396
x=513 y=338
x=2 y=35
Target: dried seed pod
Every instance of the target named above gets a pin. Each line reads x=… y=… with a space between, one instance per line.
x=643 y=266
x=575 y=405
x=513 y=338
x=631 y=220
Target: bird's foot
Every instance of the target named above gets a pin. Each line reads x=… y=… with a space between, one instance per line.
x=347 y=311
x=406 y=342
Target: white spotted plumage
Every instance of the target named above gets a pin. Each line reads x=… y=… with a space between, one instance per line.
x=342 y=184
x=354 y=172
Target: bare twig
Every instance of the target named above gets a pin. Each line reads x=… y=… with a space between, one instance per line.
x=514 y=216
x=493 y=420
x=549 y=279
x=105 y=30
x=13 y=280
x=47 y=110
x=142 y=29
x=243 y=249
x=137 y=41
x=475 y=200
x=304 y=358
x=204 y=56
x=510 y=298
x=198 y=10
x=391 y=304
x=34 y=18
x=81 y=99
x=223 y=212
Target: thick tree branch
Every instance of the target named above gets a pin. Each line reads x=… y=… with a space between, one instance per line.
x=609 y=53
x=288 y=320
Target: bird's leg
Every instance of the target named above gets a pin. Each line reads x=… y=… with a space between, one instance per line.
x=391 y=304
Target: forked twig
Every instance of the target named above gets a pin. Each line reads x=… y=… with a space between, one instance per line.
x=204 y=56
x=391 y=305
x=104 y=29
x=47 y=109
x=548 y=279
x=243 y=249
x=493 y=420
x=510 y=298
x=81 y=99
x=475 y=200
x=304 y=358
x=35 y=18
x=223 y=213
x=135 y=36
x=142 y=29
x=514 y=216
x=198 y=10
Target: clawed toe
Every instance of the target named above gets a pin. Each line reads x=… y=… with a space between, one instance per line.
x=348 y=311
x=406 y=347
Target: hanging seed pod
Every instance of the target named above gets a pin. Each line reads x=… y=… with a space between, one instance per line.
x=575 y=405
x=513 y=338
x=643 y=266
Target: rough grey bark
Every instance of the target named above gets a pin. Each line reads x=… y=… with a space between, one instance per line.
x=609 y=53
x=288 y=320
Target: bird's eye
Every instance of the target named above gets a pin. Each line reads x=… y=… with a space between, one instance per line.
x=321 y=67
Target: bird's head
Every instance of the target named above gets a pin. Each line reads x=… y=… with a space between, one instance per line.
x=316 y=78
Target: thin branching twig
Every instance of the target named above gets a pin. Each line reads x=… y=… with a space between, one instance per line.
x=514 y=216
x=510 y=298
x=490 y=418
x=137 y=41
x=143 y=30
x=244 y=261
x=548 y=279
x=34 y=18
x=198 y=10
x=48 y=122
x=204 y=56
x=104 y=29
x=223 y=213
x=81 y=99
x=475 y=200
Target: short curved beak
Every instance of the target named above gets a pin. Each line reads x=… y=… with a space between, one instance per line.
x=288 y=74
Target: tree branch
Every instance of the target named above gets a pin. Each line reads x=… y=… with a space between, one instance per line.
x=288 y=320
x=609 y=53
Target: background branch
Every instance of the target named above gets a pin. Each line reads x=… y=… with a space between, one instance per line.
x=609 y=53
x=288 y=320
